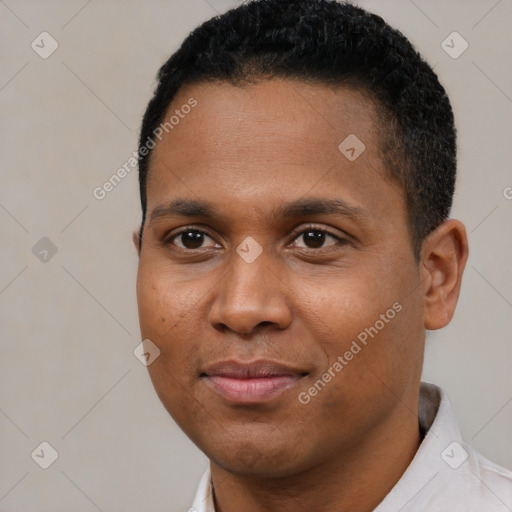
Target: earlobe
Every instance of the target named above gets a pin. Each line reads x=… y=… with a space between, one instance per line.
x=135 y=239
x=443 y=257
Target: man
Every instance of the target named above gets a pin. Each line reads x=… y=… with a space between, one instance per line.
x=297 y=168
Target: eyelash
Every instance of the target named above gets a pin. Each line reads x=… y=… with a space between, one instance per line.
x=341 y=241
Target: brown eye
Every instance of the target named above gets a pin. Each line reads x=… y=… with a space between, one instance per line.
x=190 y=239
x=316 y=238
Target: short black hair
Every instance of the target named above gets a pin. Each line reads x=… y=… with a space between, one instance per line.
x=329 y=43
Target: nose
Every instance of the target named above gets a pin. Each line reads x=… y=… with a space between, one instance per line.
x=250 y=296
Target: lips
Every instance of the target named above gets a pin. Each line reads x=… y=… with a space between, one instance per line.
x=251 y=383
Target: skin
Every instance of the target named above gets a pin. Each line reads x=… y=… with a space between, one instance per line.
x=247 y=150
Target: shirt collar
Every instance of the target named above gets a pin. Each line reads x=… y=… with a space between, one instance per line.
x=437 y=419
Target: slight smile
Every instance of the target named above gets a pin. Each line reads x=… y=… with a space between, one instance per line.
x=250 y=382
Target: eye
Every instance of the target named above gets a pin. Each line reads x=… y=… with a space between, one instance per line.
x=315 y=238
x=190 y=239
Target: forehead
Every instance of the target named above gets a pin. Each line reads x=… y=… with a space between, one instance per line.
x=268 y=118
x=270 y=139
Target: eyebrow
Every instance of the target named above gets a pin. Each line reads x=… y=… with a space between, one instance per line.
x=298 y=208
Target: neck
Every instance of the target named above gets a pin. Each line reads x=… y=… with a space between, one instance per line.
x=357 y=479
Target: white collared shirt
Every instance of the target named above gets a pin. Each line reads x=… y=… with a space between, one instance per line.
x=446 y=474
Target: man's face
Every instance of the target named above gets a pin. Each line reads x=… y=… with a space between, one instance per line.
x=244 y=335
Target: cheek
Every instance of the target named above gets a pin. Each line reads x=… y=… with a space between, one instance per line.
x=340 y=309
x=154 y=303
x=163 y=303
x=165 y=318
x=372 y=319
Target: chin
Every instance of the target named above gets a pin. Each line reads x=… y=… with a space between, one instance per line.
x=258 y=460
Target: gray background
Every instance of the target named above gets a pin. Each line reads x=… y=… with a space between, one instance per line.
x=69 y=324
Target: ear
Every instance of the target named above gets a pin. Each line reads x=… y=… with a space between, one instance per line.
x=443 y=257
x=135 y=238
